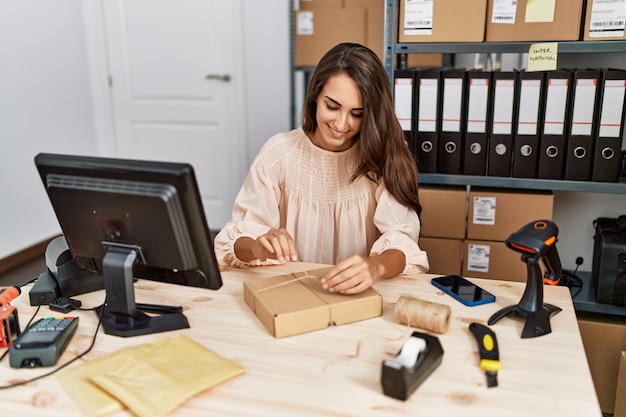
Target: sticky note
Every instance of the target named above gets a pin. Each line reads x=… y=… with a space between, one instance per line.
x=540 y=11
x=543 y=56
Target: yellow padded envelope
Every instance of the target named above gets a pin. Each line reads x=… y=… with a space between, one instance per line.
x=150 y=379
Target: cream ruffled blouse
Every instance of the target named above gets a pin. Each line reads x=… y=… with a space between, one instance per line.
x=307 y=190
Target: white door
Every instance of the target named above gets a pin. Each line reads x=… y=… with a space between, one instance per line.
x=177 y=87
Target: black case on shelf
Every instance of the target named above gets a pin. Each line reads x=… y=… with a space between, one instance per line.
x=609 y=260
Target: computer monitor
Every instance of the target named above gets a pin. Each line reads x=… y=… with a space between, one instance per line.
x=131 y=219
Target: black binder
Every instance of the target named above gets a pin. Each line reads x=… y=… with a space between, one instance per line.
x=476 y=122
x=452 y=113
x=428 y=119
x=527 y=131
x=554 y=121
x=606 y=155
x=582 y=126
x=502 y=121
x=404 y=102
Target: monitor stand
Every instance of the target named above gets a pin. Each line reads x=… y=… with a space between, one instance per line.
x=120 y=315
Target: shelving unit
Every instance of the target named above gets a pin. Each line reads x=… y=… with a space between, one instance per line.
x=585 y=300
x=392 y=49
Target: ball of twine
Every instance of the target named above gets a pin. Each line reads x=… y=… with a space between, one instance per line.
x=423 y=314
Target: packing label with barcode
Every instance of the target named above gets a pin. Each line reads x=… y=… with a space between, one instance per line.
x=504 y=11
x=484 y=210
x=478 y=258
x=607 y=18
x=418 y=17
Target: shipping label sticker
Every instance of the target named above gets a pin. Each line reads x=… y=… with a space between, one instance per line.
x=478 y=258
x=504 y=11
x=607 y=19
x=418 y=17
x=304 y=23
x=484 y=210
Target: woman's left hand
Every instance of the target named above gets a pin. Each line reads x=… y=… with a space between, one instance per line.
x=352 y=275
x=357 y=273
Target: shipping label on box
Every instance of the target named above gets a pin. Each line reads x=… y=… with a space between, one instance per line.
x=442 y=21
x=494 y=260
x=495 y=214
x=605 y=20
x=296 y=303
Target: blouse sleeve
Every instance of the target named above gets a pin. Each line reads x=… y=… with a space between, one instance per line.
x=255 y=211
x=399 y=227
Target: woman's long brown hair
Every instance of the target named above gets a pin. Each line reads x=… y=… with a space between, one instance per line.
x=382 y=147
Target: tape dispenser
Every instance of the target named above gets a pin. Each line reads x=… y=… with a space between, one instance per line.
x=420 y=355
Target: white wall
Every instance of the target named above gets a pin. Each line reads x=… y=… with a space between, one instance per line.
x=45 y=106
x=50 y=85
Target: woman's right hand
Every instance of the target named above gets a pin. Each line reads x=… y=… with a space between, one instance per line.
x=275 y=244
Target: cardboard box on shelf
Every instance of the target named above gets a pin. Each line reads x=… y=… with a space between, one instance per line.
x=535 y=21
x=604 y=21
x=494 y=260
x=448 y=21
x=296 y=303
x=445 y=256
x=319 y=29
x=321 y=4
x=494 y=214
x=374 y=30
x=444 y=211
x=604 y=339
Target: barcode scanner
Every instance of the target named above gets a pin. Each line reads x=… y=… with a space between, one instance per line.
x=536 y=241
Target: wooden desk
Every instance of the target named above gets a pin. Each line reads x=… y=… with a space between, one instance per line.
x=336 y=371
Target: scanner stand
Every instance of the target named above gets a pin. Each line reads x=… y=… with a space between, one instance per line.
x=531 y=304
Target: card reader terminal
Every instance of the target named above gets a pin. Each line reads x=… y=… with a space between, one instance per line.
x=42 y=343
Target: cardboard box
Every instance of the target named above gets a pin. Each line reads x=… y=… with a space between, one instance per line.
x=494 y=214
x=445 y=256
x=534 y=21
x=620 y=391
x=606 y=25
x=604 y=340
x=374 y=34
x=452 y=21
x=444 y=211
x=494 y=260
x=296 y=303
x=320 y=29
x=320 y=4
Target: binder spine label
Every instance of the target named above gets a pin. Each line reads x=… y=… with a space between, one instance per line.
x=427 y=112
x=612 y=108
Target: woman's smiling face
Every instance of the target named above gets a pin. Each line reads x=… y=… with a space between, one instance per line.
x=339 y=114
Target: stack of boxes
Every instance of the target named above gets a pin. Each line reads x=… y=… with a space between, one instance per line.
x=510 y=21
x=465 y=232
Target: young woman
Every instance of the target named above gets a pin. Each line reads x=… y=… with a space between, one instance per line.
x=342 y=189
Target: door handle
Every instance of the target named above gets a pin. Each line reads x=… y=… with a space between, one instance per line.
x=225 y=77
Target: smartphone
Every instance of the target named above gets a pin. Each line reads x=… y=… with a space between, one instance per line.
x=463 y=290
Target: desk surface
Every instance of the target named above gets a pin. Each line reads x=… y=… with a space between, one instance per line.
x=336 y=371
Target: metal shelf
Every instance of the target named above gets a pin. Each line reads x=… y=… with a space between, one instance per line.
x=507 y=47
x=585 y=300
x=525 y=183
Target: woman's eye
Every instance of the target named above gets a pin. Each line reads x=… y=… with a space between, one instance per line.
x=357 y=115
x=329 y=107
